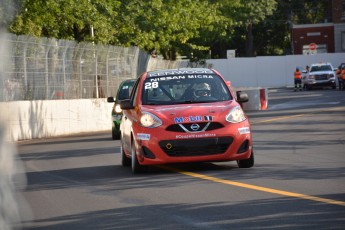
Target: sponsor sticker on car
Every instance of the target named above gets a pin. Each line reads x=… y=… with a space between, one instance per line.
x=143 y=136
x=244 y=130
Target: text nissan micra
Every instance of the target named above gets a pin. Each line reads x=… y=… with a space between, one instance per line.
x=184 y=115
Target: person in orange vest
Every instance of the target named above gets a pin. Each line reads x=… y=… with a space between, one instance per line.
x=342 y=74
x=340 y=77
x=298 y=80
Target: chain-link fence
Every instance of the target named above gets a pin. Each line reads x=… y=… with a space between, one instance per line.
x=43 y=69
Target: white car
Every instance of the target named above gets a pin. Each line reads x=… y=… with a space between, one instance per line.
x=320 y=75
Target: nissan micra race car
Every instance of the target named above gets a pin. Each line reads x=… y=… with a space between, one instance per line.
x=184 y=115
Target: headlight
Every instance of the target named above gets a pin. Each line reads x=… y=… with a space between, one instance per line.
x=149 y=120
x=118 y=109
x=236 y=115
x=311 y=77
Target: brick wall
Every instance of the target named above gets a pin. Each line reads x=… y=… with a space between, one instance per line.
x=316 y=33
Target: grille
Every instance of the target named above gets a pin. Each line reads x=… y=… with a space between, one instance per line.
x=321 y=77
x=196 y=147
x=187 y=127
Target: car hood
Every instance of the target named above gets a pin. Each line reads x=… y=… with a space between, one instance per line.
x=320 y=72
x=191 y=112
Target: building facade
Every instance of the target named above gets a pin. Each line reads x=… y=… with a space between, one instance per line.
x=327 y=37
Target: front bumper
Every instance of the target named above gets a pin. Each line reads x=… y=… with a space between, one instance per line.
x=320 y=83
x=162 y=147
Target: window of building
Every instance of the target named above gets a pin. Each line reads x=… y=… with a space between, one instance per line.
x=343 y=40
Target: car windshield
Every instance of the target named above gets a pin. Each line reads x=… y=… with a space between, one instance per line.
x=125 y=90
x=320 y=68
x=184 y=89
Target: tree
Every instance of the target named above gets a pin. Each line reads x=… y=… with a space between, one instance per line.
x=168 y=26
x=195 y=28
x=273 y=34
x=250 y=14
x=165 y=25
x=68 y=19
x=308 y=11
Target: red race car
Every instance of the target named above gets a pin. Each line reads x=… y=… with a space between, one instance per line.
x=184 y=115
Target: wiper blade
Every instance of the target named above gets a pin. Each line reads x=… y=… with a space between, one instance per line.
x=189 y=102
x=193 y=102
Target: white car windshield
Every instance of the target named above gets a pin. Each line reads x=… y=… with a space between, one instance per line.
x=184 y=89
x=321 y=68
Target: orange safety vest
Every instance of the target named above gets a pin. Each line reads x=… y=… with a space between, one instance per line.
x=338 y=74
x=298 y=75
x=343 y=74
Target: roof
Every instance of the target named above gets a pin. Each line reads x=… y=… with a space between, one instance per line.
x=321 y=63
x=179 y=72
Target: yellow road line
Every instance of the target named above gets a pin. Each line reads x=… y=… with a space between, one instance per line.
x=259 y=188
x=279 y=118
x=297 y=115
x=254 y=187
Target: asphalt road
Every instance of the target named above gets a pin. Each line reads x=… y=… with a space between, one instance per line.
x=298 y=181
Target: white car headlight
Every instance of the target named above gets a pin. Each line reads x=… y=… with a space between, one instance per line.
x=149 y=120
x=117 y=108
x=235 y=115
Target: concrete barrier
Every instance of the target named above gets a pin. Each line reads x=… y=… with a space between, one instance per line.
x=48 y=118
x=258 y=98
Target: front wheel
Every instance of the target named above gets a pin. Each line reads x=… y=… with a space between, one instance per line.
x=136 y=166
x=115 y=136
x=247 y=163
x=125 y=160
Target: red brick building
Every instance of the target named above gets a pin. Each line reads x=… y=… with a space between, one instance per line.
x=328 y=37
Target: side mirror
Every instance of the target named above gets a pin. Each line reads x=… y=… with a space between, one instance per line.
x=110 y=99
x=242 y=97
x=126 y=104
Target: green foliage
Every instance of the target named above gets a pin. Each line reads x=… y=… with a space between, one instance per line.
x=67 y=19
x=168 y=27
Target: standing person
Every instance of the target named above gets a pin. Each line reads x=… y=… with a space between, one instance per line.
x=307 y=68
x=339 y=77
x=298 y=80
x=342 y=79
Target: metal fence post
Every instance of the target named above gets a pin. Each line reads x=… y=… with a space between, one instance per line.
x=46 y=79
x=80 y=77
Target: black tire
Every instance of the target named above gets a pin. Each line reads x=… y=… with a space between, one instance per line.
x=247 y=163
x=136 y=166
x=115 y=136
x=126 y=162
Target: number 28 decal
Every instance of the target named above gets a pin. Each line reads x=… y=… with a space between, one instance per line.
x=151 y=85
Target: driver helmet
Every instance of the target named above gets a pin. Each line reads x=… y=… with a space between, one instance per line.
x=202 y=90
